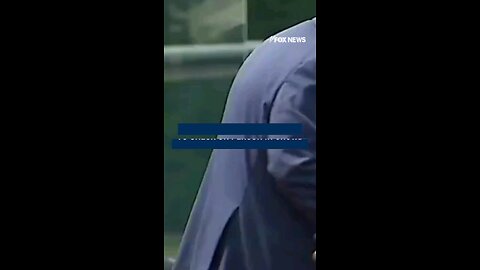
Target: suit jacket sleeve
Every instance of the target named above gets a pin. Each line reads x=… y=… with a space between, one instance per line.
x=294 y=170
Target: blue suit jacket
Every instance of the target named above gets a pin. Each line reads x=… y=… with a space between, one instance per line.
x=256 y=209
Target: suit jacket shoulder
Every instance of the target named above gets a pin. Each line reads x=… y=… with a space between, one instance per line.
x=270 y=64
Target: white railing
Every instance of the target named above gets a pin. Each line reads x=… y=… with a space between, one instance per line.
x=186 y=62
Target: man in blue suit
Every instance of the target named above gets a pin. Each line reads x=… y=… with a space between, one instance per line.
x=256 y=209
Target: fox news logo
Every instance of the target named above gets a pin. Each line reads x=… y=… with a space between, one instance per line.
x=275 y=39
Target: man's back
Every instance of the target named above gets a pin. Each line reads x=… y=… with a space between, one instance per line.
x=256 y=208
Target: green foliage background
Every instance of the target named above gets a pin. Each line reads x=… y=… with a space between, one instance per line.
x=265 y=17
x=187 y=102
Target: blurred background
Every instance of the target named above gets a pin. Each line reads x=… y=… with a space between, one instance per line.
x=205 y=43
